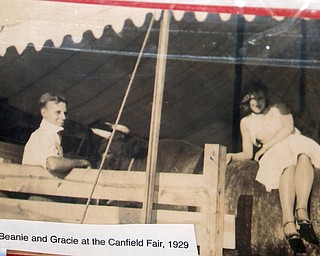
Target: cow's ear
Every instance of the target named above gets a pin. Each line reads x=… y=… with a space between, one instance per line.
x=101 y=133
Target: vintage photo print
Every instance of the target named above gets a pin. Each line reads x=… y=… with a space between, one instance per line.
x=150 y=114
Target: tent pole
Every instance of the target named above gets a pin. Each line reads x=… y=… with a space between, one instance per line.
x=156 y=118
x=303 y=58
x=237 y=84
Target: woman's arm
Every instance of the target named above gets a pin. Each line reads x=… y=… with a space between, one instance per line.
x=287 y=126
x=247 y=145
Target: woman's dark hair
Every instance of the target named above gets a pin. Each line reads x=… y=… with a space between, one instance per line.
x=253 y=89
x=45 y=98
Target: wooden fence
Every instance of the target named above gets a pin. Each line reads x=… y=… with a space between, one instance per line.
x=174 y=195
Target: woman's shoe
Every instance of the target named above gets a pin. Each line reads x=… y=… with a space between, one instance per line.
x=306 y=229
x=295 y=241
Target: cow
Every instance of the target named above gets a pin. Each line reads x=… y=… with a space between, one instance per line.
x=124 y=149
x=129 y=152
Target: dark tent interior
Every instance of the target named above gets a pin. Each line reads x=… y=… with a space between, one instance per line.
x=209 y=64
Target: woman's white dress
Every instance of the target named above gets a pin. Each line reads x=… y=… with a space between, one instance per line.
x=283 y=154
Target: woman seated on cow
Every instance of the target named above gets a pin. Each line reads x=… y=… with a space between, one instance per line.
x=286 y=161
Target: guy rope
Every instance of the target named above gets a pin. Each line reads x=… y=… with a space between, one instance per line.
x=104 y=156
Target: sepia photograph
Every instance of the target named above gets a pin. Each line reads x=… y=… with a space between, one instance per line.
x=128 y=113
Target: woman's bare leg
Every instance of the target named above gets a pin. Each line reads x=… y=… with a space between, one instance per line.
x=303 y=182
x=287 y=199
x=304 y=177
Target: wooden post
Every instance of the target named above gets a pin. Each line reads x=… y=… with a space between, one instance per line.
x=214 y=174
x=156 y=118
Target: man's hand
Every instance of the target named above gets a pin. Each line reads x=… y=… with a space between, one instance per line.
x=85 y=164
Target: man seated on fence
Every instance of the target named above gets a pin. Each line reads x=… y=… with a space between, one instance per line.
x=44 y=145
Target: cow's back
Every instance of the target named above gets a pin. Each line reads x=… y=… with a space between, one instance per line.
x=175 y=156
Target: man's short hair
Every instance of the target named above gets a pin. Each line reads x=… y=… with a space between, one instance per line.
x=45 y=98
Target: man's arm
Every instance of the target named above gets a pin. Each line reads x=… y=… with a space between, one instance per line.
x=62 y=165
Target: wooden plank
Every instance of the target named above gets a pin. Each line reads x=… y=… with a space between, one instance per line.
x=107 y=176
x=176 y=189
x=229 y=232
x=220 y=198
x=36 y=210
x=64 y=212
x=176 y=217
x=156 y=116
x=182 y=196
x=108 y=215
x=51 y=210
x=71 y=213
x=213 y=204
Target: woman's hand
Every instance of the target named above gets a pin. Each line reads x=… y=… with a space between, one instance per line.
x=260 y=153
x=228 y=158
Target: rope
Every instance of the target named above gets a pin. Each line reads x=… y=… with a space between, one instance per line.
x=118 y=117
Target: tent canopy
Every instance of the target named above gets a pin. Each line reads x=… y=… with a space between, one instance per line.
x=92 y=66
